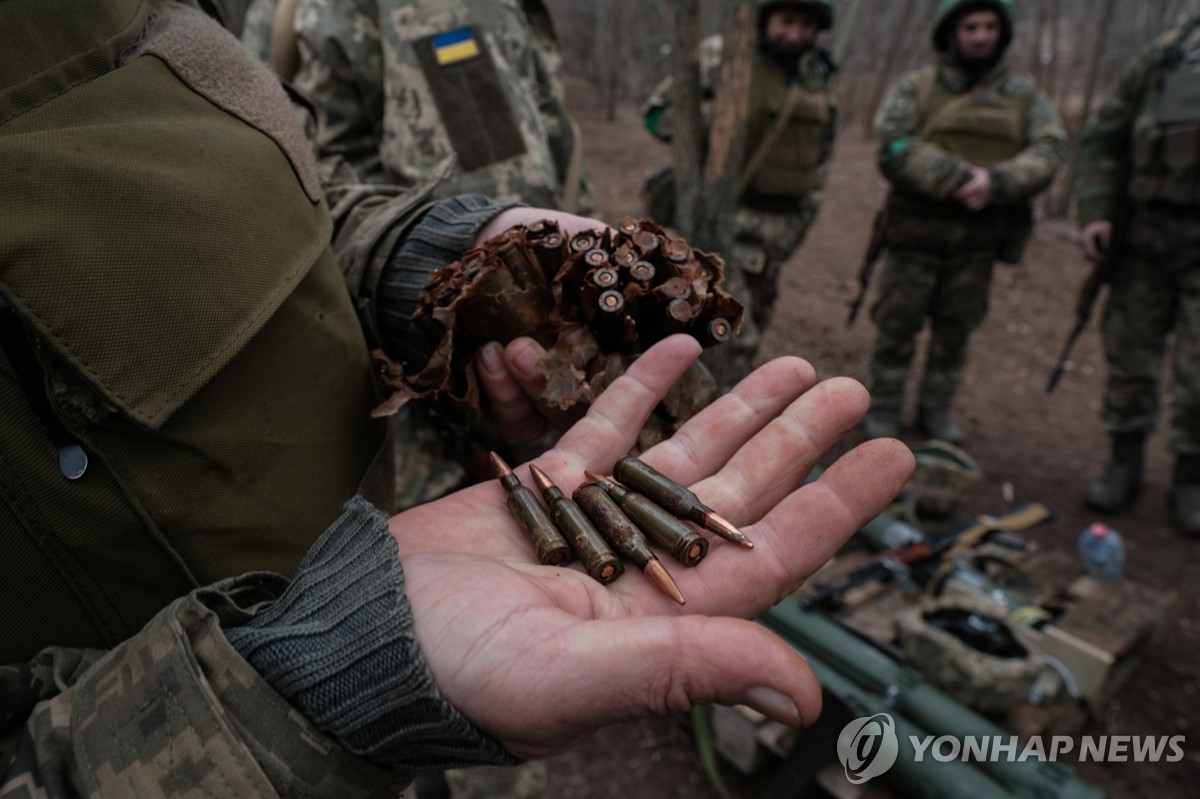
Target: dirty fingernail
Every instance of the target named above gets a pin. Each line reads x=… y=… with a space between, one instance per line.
x=491 y=357
x=771 y=703
x=525 y=360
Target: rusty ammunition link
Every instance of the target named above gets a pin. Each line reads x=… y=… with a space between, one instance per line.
x=642 y=272
x=595 y=257
x=582 y=242
x=604 y=278
x=613 y=524
x=646 y=242
x=680 y=310
x=624 y=257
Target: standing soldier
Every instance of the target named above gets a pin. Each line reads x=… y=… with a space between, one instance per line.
x=966 y=144
x=400 y=86
x=792 y=120
x=1139 y=206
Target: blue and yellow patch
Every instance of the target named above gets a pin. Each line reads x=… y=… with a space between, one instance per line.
x=454 y=46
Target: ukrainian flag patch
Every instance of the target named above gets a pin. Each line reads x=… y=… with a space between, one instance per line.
x=454 y=46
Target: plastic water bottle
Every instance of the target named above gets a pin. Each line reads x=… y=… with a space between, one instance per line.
x=1103 y=551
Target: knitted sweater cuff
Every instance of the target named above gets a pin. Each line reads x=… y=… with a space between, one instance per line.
x=339 y=645
x=441 y=237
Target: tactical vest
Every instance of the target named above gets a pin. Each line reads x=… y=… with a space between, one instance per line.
x=1166 y=137
x=174 y=307
x=790 y=163
x=986 y=131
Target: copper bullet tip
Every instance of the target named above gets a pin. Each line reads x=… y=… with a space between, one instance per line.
x=715 y=524
x=658 y=573
x=593 y=477
x=502 y=468
x=541 y=478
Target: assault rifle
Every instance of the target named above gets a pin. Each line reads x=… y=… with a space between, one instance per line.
x=874 y=249
x=898 y=562
x=1100 y=274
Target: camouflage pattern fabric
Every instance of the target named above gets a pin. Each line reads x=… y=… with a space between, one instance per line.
x=1155 y=278
x=941 y=256
x=401 y=84
x=172 y=711
x=986 y=683
x=953 y=294
x=766 y=232
x=1149 y=300
x=925 y=173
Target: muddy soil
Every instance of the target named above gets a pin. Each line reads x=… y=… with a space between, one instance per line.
x=1045 y=448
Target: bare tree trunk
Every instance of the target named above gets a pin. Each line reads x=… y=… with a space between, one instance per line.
x=847 y=21
x=688 y=128
x=1093 y=72
x=887 y=72
x=727 y=140
x=1054 y=9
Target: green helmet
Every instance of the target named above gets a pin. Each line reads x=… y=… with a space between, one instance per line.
x=951 y=11
x=821 y=9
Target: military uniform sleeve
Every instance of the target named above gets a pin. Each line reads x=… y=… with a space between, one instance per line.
x=229 y=692
x=1106 y=138
x=910 y=163
x=1019 y=178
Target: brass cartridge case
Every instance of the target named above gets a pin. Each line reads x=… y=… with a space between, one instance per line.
x=549 y=546
x=589 y=546
x=685 y=544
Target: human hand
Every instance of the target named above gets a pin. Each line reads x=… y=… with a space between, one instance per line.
x=569 y=224
x=514 y=386
x=541 y=656
x=976 y=193
x=1096 y=237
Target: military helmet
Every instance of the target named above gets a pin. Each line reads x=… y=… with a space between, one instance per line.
x=943 y=476
x=821 y=9
x=965 y=646
x=951 y=11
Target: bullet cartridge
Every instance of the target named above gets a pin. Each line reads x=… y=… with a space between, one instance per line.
x=719 y=330
x=685 y=544
x=674 y=498
x=629 y=226
x=589 y=546
x=624 y=536
x=549 y=546
x=582 y=242
x=642 y=272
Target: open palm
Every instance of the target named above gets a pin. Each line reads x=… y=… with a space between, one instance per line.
x=540 y=656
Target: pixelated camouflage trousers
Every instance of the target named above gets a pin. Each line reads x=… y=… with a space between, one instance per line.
x=952 y=292
x=1151 y=302
x=763 y=241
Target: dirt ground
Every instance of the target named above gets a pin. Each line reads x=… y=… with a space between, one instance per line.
x=1046 y=448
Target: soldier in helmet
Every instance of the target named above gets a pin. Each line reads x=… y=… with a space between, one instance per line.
x=966 y=144
x=786 y=164
x=1139 y=206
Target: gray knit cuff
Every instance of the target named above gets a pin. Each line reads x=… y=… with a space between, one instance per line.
x=441 y=237
x=339 y=645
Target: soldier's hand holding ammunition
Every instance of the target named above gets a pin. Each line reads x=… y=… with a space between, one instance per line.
x=976 y=193
x=1095 y=239
x=509 y=374
x=541 y=656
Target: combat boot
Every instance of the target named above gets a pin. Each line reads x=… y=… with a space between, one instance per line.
x=1122 y=479
x=1185 y=494
x=882 y=423
x=938 y=423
